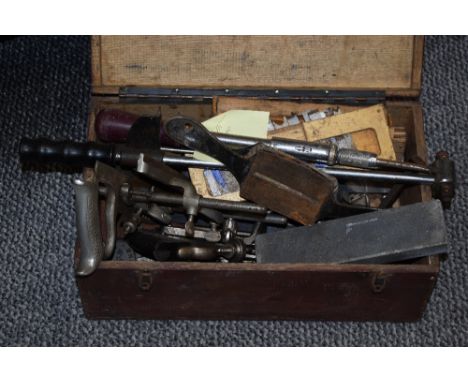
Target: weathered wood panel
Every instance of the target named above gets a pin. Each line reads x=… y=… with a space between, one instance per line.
x=257 y=291
x=323 y=62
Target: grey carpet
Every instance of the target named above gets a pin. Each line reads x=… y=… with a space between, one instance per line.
x=44 y=90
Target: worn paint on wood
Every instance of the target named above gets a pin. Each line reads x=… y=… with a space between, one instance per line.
x=257 y=291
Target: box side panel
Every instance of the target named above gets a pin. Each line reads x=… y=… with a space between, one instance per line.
x=255 y=294
x=418 y=58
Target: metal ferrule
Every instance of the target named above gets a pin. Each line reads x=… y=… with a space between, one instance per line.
x=354 y=158
x=301 y=150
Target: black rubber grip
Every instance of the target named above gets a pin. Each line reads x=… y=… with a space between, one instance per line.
x=65 y=152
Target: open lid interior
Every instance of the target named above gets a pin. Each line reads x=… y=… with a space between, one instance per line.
x=385 y=63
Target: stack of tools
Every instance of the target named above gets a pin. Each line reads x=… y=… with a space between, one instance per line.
x=317 y=199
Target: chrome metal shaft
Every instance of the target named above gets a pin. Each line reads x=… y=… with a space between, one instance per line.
x=323 y=153
x=342 y=173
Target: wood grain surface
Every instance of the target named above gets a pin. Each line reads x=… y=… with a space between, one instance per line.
x=323 y=62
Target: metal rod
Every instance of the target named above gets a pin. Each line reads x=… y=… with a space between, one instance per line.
x=176 y=150
x=180 y=161
x=141 y=195
x=342 y=173
x=327 y=153
x=379 y=176
x=322 y=152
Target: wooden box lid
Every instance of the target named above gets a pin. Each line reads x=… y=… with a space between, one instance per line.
x=389 y=63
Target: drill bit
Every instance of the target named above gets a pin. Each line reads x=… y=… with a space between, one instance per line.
x=406 y=166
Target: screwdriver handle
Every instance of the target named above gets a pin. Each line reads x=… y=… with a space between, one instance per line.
x=113 y=125
x=65 y=152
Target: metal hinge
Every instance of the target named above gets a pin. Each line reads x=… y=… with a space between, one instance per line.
x=357 y=97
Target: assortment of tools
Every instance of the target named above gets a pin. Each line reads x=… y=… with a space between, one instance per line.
x=303 y=201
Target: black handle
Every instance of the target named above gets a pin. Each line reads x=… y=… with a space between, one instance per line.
x=65 y=152
x=444 y=185
x=162 y=248
x=195 y=136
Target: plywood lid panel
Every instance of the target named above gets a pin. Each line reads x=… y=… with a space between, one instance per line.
x=391 y=63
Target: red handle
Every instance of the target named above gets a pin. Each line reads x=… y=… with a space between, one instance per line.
x=113 y=125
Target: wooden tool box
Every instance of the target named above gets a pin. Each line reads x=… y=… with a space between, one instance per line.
x=186 y=75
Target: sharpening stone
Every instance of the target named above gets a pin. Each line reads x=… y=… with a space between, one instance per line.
x=384 y=236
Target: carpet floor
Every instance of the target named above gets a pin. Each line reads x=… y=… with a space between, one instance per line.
x=45 y=90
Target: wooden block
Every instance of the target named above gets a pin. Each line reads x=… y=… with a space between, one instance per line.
x=399 y=139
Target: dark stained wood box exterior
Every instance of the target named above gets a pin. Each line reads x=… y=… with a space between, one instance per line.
x=152 y=290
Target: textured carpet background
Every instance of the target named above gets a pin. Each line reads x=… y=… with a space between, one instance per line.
x=45 y=89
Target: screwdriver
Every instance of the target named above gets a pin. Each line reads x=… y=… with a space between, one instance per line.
x=85 y=154
x=441 y=178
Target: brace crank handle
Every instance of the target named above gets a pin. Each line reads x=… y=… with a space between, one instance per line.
x=87 y=223
x=44 y=150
